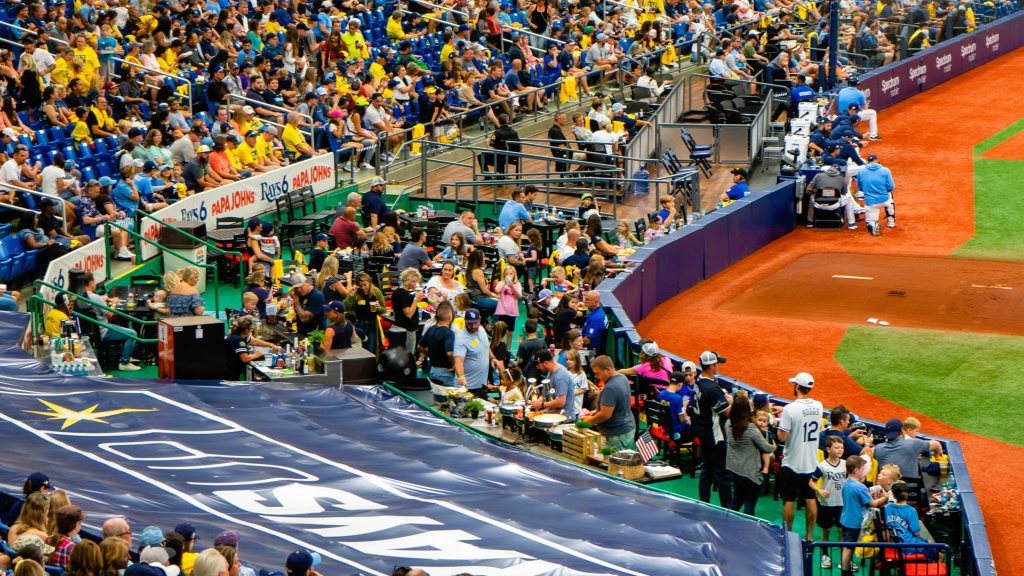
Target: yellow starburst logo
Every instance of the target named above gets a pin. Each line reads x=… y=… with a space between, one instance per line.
x=71 y=417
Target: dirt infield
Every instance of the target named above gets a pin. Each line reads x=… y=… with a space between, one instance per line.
x=930 y=154
x=910 y=292
x=1011 y=149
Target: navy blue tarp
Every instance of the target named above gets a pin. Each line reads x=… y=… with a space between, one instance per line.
x=361 y=475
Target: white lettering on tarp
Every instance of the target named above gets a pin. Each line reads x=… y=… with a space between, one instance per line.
x=343 y=527
x=187 y=452
x=296 y=499
x=446 y=544
x=528 y=568
x=238 y=478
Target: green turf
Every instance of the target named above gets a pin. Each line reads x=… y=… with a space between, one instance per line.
x=933 y=372
x=998 y=212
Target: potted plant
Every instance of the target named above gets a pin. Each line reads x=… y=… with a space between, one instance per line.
x=316 y=338
x=474 y=407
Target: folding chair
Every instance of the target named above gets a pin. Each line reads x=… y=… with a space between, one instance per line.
x=825 y=207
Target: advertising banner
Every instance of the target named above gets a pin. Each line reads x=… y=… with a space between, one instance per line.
x=247 y=198
x=869 y=86
x=91 y=258
x=992 y=41
x=1016 y=32
x=943 y=63
x=893 y=87
x=969 y=56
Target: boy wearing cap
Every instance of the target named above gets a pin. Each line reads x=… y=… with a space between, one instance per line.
x=673 y=395
x=712 y=405
x=301 y=562
x=799 y=429
x=319 y=253
x=739 y=187
x=69 y=523
x=904 y=452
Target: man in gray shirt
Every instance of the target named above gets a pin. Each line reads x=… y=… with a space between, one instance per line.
x=561 y=399
x=184 y=149
x=832 y=179
x=614 y=419
x=904 y=452
x=465 y=224
x=413 y=254
x=472 y=354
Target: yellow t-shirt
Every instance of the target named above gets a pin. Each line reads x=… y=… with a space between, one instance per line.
x=188 y=561
x=246 y=154
x=62 y=73
x=233 y=158
x=104 y=121
x=350 y=44
x=53 y=320
x=378 y=72
x=87 y=56
x=394 y=29
x=81 y=132
x=274 y=27
x=292 y=139
x=446 y=51
x=263 y=148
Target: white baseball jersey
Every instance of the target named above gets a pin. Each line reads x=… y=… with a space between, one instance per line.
x=801 y=420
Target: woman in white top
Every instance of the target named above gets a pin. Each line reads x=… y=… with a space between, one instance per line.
x=597 y=112
x=648 y=81
x=406 y=88
x=445 y=286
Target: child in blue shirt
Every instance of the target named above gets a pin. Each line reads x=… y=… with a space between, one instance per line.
x=856 y=501
x=901 y=520
x=673 y=395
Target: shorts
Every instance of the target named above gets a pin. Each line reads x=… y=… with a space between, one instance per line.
x=828 y=516
x=794 y=486
x=510 y=321
x=850 y=534
x=532 y=272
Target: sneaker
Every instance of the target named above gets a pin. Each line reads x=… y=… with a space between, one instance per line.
x=854 y=567
x=826 y=562
x=876 y=230
x=347 y=168
x=874 y=137
x=854 y=226
x=128 y=367
x=366 y=166
x=124 y=254
x=892 y=221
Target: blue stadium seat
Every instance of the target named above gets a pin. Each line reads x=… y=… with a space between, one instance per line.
x=13 y=247
x=6 y=263
x=89 y=173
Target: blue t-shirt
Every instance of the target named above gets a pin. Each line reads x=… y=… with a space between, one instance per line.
x=121 y=194
x=594 y=327
x=474 y=350
x=849 y=96
x=902 y=520
x=675 y=407
x=511 y=212
x=850 y=446
x=374 y=203
x=325 y=20
x=855 y=501
x=737 y=191
x=104 y=44
x=314 y=304
x=561 y=381
x=145 y=187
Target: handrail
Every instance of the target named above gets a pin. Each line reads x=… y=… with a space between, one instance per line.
x=273 y=107
x=604 y=167
x=521 y=31
x=438 y=21
x=32 y=32
x=115 y=328
x=63 y=220
x=38 y=283
x=530 y=140
x=206 y=243
x=445 y=8
x=106 y=239
x=162 y=73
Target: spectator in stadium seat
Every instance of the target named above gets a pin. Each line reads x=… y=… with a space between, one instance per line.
x=345 y=230
x=197 y=174
x=211 y=563
x=113 y=527
x=903 y=451
x=739 y=188
x=230 y=539
x=295 y=142
x=466 y=225
x=855 y=442
x=183 y=150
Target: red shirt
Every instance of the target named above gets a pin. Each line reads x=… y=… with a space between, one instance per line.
x=344 y=232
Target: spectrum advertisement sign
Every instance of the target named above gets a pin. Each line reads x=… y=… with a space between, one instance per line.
x=247 y=198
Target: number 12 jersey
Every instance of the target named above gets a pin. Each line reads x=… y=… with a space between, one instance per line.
x=801 y=420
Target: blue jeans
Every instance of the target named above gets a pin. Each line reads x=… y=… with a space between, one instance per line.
x=8 y=304
x=712 y=469
x=744 y=494
x=486 y=304
x=129 y=344
x=442 y=376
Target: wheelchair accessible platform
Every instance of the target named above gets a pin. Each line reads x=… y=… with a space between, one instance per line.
x=907 y=292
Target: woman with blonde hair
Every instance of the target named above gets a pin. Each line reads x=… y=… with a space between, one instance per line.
x=86 y=560
x=114 y=552
x=328 y=281
x=30 y=529
x=58 y=499
x=29 y=568
x=381 y=246
x=171 y=279
x=185 y=299
x=405 y=303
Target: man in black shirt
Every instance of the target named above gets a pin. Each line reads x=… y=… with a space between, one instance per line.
x=493 y=89
x=438 y=343
x=217 y=90
x=504 y=138
x=77 y=94
x=557 y=138
x=710 y=412
x=530 y=345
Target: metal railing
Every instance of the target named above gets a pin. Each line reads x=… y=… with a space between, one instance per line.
x=58 y=199
x=177 y=79
x=9 y=25
x=129 y=318
x=285 y=112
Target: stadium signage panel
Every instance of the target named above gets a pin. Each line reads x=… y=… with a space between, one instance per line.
x=246 y=198
x=92 y=258
x=944 y=62
x=893 y=86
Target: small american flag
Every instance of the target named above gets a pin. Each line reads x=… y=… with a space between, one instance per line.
x=646 y=446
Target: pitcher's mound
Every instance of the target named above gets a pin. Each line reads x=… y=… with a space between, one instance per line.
x=933 y=293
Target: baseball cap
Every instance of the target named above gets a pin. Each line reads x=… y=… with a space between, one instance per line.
x=9 y=132
x=463 y=28
x=677 y=377
x=203 y=148
x=708 y=358
x=588 y=29
x=39 y=479
x=321 y=91
x=225 y=127
x=601 y=37
x=544 y=294
x=854 y=118
x=166 y=167
x=542 y=356
x=68 y=516
x=298 y=280
x=248 y=110
x=472 y=315
x=893 y=428
x=149 y=165
x=650 y=348
x=300 y=561
x=322 y=236
x=335 y=114
x=377 y=181
x=872 y=158
x=690 y=367
x=251 y=134
x=106 y=181
x=337 y=306
x=109 y=85
x=162 y=106
x=156 y=555
x=151 y=535
x=138 y=163
x=147 y=570
x=310 y=95
x=270 y=129
x=803 y=380
x=227 y=538
x=187 y=531
x=233 y=65
x=266 y=227
x=739 y=171
x=135 y=132
x=617 y=107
